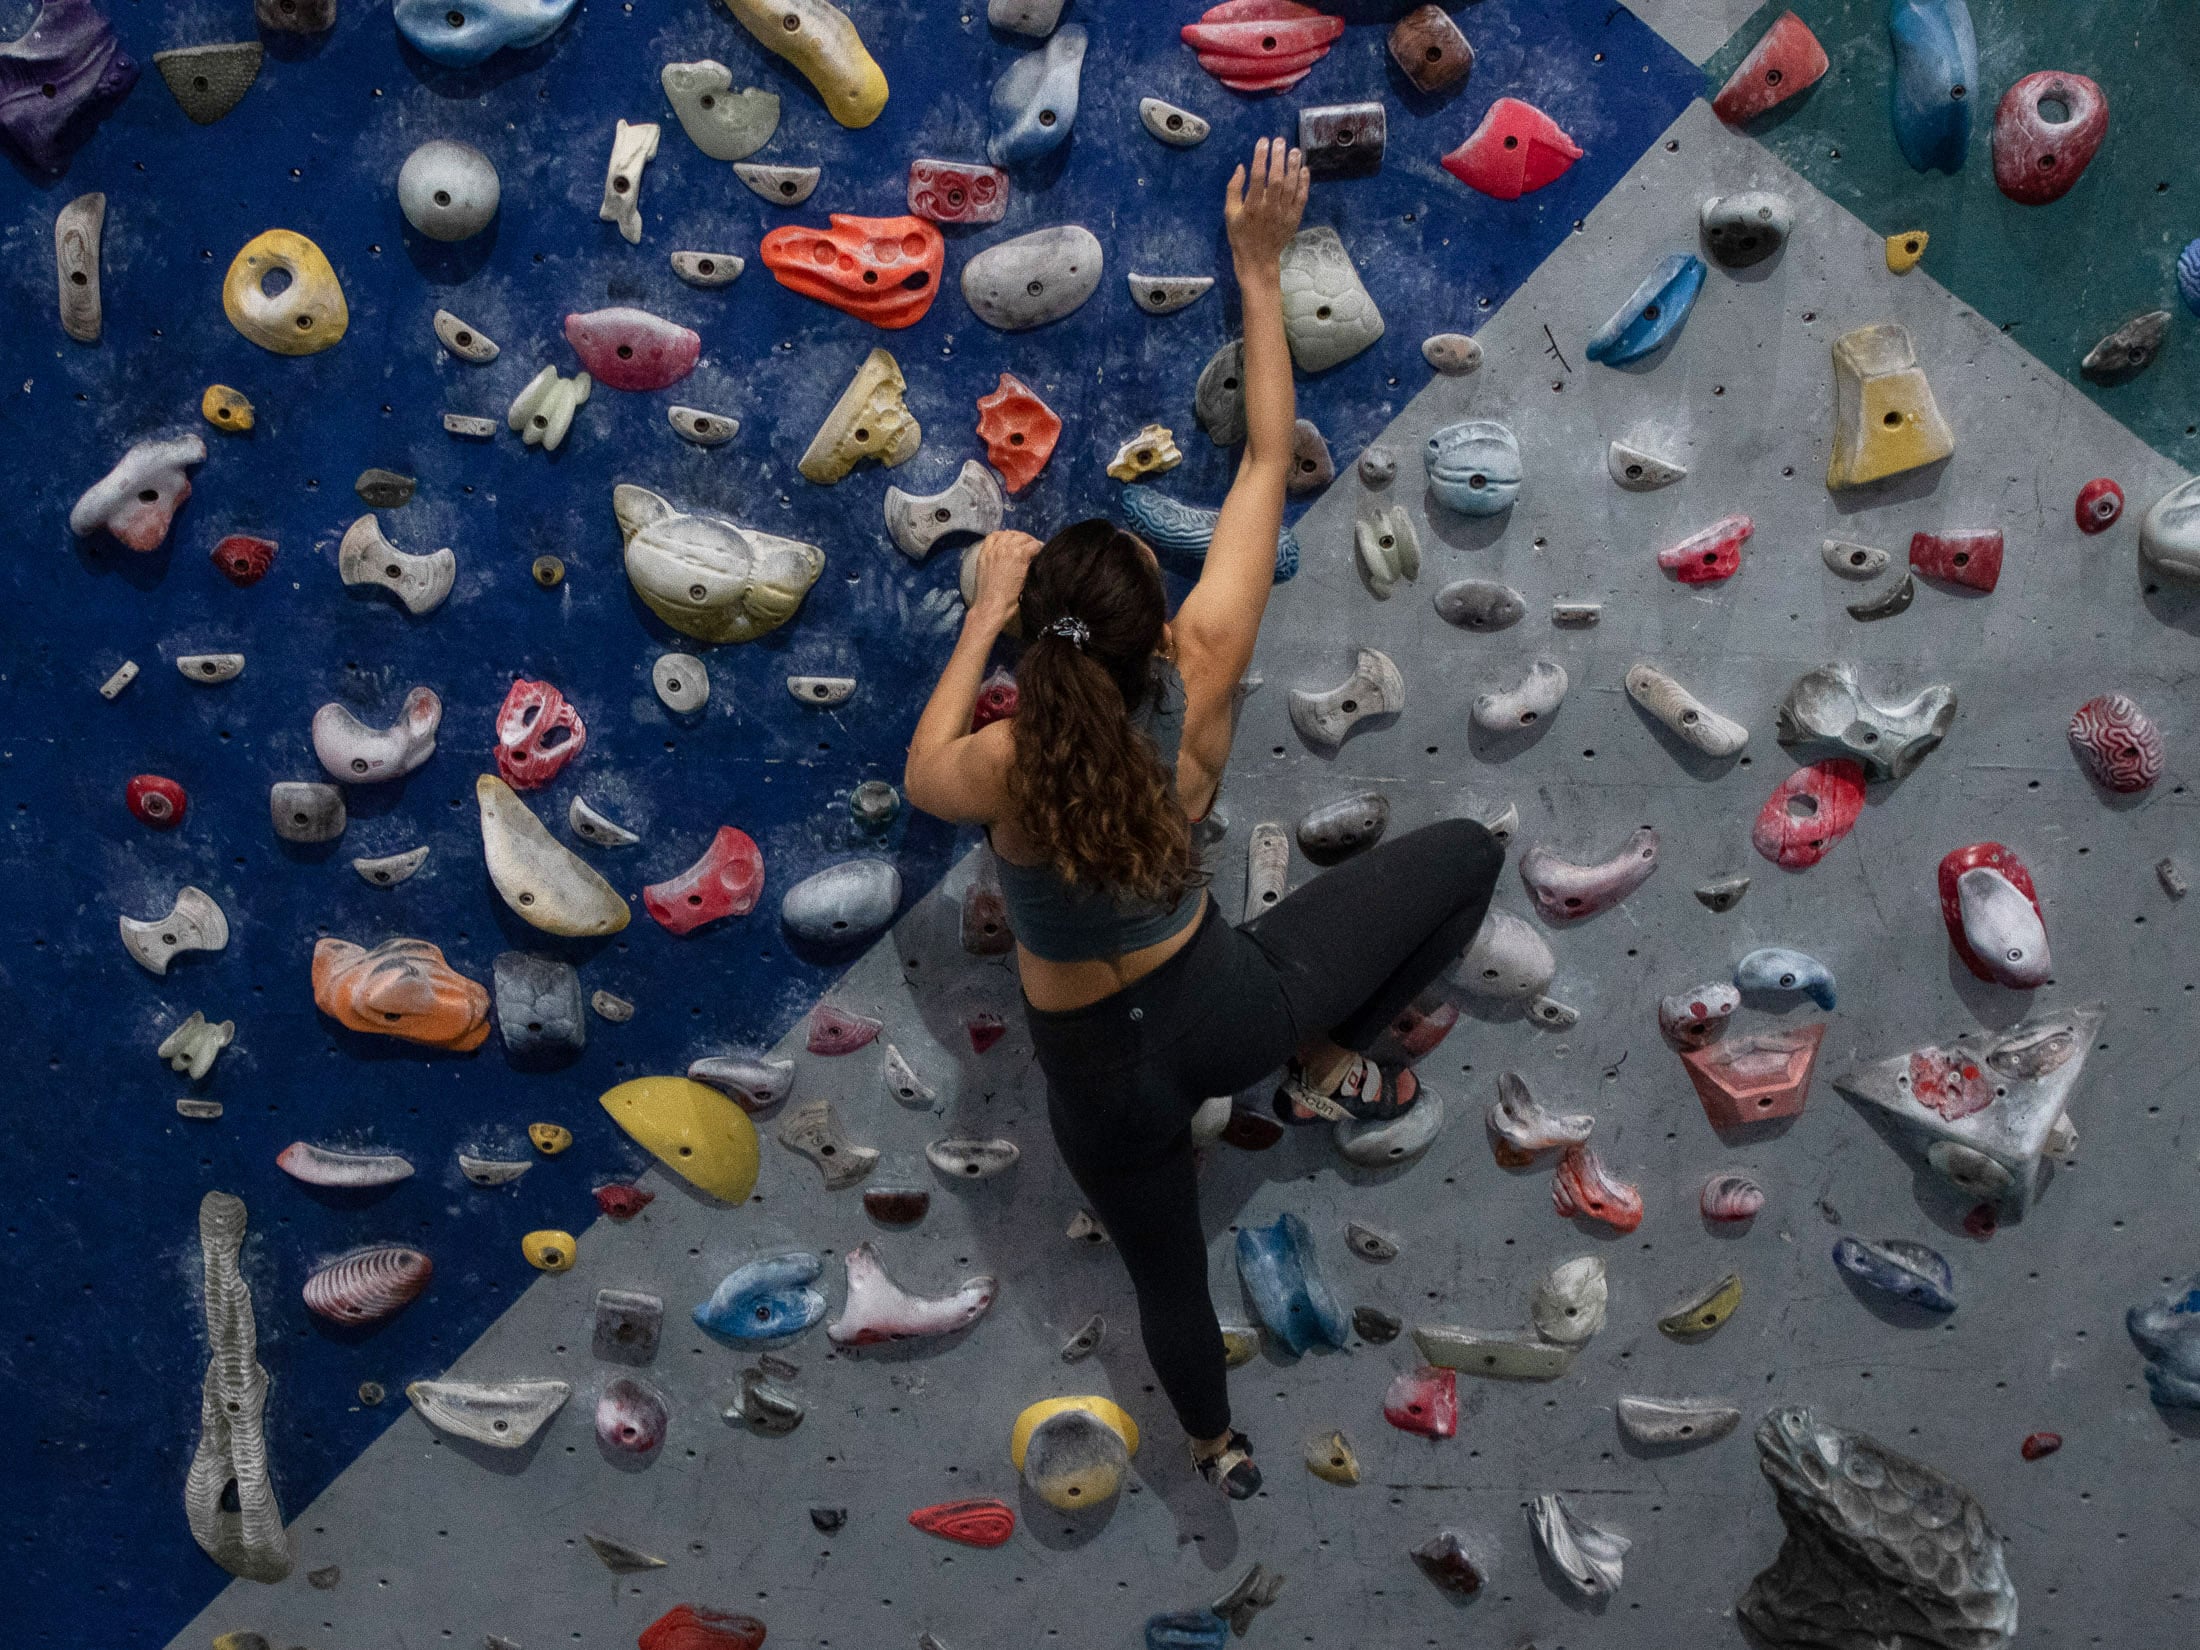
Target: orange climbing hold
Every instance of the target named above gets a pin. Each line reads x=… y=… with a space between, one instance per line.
x=1261 y=45
x=1515 y=151
x=1786 y=63
x=1019 y=431
x=882 y=270
x=692 y=1627
x=981 y=1523
x=401 y=988
x=1757 y=1078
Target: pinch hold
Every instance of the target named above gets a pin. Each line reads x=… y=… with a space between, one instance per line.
x=138 y=499
x=1516 y=150
x=1388 y=549
x=1786 y=62
x=1655 y=313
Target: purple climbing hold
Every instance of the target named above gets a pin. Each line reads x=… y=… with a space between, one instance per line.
x=67 y=64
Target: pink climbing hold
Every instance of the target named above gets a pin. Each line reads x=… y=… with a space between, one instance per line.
x=836 y=1031
x=631 y=1416
x=2118 y=742
x=1424 y=1400
x=1952 y=1084
x=1786 y=62
x=2038 y=159
x=1515 y=151
x=1808 y=812
x=997 y=699
x=1711 y=555
x=1583 y=1186
x=1971 y=557
x=631 y=349
x=957 y=191
x=725 y=882
x=985 y=1030
x=979 y=1523
x=368 y=1285
x=1730 y=1197
x=1759 y=1078
x=1983 y=856
x=2100 y=505
x=1261 y=45
x=537 y=734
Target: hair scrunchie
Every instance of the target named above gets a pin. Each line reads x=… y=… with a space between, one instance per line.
x=1071 y=629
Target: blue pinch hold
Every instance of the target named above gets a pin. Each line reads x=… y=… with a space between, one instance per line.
x=1187 y=1630
x=1180 y=533
x=2188 y=275
x=1282 y=1277
x=1895 y=1266
x=1776 y=968
x=1935 y=81
x=2167 y=1329
x=1035 y=100
x=1657 y=311
x=1474 y=467
x=461 y=33
x=765 y=1300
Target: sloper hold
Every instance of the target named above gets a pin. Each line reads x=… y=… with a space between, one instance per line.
x=1896 y=1266
x=818 y=39
x=2169 y=537
x=1388 y=549
x=1590 y=1557
x=1777 y=968
x=972 y=1159
x=1992 y=914
x=462 y=33
x=543 y=881
x=1453 y=354
x=698 y=1627
x=1583 y=1187
x=979 y=1523
x=2118 y=743
x=694 y=1131
x=492 y=1171
x=1375 y=688
x=1506 y=962
x=870 y=420
x=1677 y=1421
x=1019 y=431
x=501 y=1414
x=725 y=882
x=1282 y=1278
x=1853 y=561
x=1179 y=533
x=1564 y=891
x=542 y=412
x=210 y=669
x=1657 y=311
x=1826 y=711
x=681 y=682
x=1885 y=420
x=705 y=576
x=1035 y=279
x=882 y=270
x=1705 y=1311
x=702 y=429
x=1424 y=1401
x=781 y=185
x=1473 y=466
x=725 y=124
x=138 y=499
x=361 y=755
x=836 y=1030
x=1744 y=230
x=76 y=241
x=2166 y=1329
x=1331 y=1459
x=1261 y=45
x=877 y=1309
x=1178 y=128
x=1810 y=811
x=1166 y=294
x=1971 y=558
x=2100 y=506
x=1786 y=62
x=1756 y=1078
x=1641 y=471
x=631 y=349
x=230 y=1457
x=1569 y=1302
x=1896 y=598
x=1218 y=399
x=1683 y=713
x=1429 y=49
x=1480 y=605
x=305 y=317
x=1312 y=469
x=2038 y=159
x=2128 y=351
x=1516 y=150
x=843 y=903
x=1328 y=316
x=58 y=79
x=770 y=1299
x=1343 y=140
x=1983 y=1110
x=1330 y=833
x=1073 y=1453
x=1534 y=698
x=1713 y=555
x=971 y=505
x=1935 y=77
x=1035 y=100
x=209 y=81
x=957 y=191
x=1723 y=893
x=1033 y=17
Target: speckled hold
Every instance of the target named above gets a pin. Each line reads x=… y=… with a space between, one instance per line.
x=682 y=682
x=1034 y=279
x=1331 y=832
x=947 y=191
x=1480 y=605
x=305 y=811
x=1166 y=294
x=702 y=429
x=461 y=33
x=1451 y=352
x=631 y=349
x=138 y=499
x=1639 y=470
x=448 y=190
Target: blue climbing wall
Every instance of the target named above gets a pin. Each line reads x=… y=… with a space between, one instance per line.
x=101 y=1349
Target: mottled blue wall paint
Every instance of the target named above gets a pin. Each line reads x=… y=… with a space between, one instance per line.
x=101 y=1351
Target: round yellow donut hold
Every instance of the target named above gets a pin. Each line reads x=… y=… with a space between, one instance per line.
x=304 y=316
x=694 y=1131
x=1073 y=1452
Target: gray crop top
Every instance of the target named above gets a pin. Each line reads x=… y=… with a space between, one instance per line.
x=1062 y=923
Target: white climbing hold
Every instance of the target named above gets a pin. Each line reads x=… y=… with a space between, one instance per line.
x=194 y=923
x=596 y=827
x=76 y=236
x=723 y=123
x=878 y=1309
x=464 y=340
x=1497 y=1354
x=972 y=1159
x=708 y=269
x=193 y=1046
x=821 y=690
x=125 y=674
x=632 y=148
x=1381 y=1144
x=1328 y=316
x=420 y=582
x=1569 y=1303
x=1518 y=1122
x=321 y=1166
x=1669 y=1421
x=2169 y=536
x=972 y=503
x=755 y=1082
x=501 y=1414
x=1388 y=549
x=1166 y=294
x=469 y=426
x=210 y=669
x=139 y=497
x=781 y=185
x=389 y=870
x=1640 y=471
x=1586 y=1555
x=1451 y=353
x=703 y=429
x=230 y=1460
x=1035 y=279
x=1683 y=713
x=541 y=879
x=682 y=683
x=1853 y=561
x=1178 y=128
x=814 y=1130
x=1508 y=961
x=1267 y=868
x=902 y=1081
x=543 y=411
x=359 y=755
x=1375 y=688
x=1529 y=701
x=611 y=1007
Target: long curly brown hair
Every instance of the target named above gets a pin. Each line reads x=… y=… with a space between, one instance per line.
x=1088 y=787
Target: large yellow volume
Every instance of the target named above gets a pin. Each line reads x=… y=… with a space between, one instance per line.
x=303 y=318
x=694 y=1131
x=818 y=39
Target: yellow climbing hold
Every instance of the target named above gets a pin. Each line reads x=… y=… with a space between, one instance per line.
x=1904 y=250
x=1885 y=420
x=550 y=1138
x=1073 y=1452
x=225 y=408
x=304 y=316
x=1703 y=1313
x=1332 y=1460
x=550 y=1250
x=818 y=39
x=694 y=1131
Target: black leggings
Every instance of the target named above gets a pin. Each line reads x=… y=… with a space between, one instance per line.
x=1340 y=957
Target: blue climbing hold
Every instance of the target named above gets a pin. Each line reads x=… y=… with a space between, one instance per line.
x=1776 y=968
x=1474 y=467
x=1895 y=1266
x=1187 y=1630
x=1282 y=1277
x=1180 y=533
x=461 y=33
x=2188 y=275
x=1657 y=311
x=766 y=1300
x=1935 y=79
x=2167 y=1330
x=1035 y=100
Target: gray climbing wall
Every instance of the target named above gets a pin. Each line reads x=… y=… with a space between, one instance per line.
x=439 y=1544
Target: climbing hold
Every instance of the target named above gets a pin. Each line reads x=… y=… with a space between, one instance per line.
x=1179 y=533
x=549 y=1250
x=1378 y=466
x=724 y=882
x=1218 y=399
x=1429 y=49
x=1583 y=1186
x=1670 y=1421
x=228 y=409
x=538 y=1009
x=1563 y=890
x=59 y=79
x=304 y=317
x=1328 y=316
x=954 y=191
x=2169 y=537
x=543 y=411
x=1480 y=605
x=1267 y=868
x=1575 y=615
x=695 y=1131
x=549 y=1138
x=697 y=1627
x=765 y=1300
x=448 y=190
x=1332 y=1460
x=76 y=243
x=835 y=1030
x=491 y=1171
x=1166 y=294
x=878 y=269
x=632 y=148
x=1019 y=431
x=137 y=499
x=1311 y=466
x=230 y=1458
x=979 y=1523
x=1702 y=1313
x=1389 y=549
x=1590 y=1557
x=1723 y=894
x=1073 y=1452
x=305 y=811
x=401 y=988
x=972 y=1159
x=1935 y=72
x=384 y=489
x=1683 y=713
x=1885 y=420
x=870 y=420
x=618 y=1557
x=1375 y=688
x=1993 y=917
x=1368 y=1243
x=2038 y=156
x=2038 y=1446
x=1971 y=558
x=2172 y=878
x=1698 y=1016
x=1474 y=466
x=1896 y=1266
x=155 y=801
x=1516 y=150
x=1150 y=452
x=462 y=33
x=1742 y=230
x=1035 y=279
x=1772 y=968
x=1853 y=561
x=2166 y=1330
x=1261 y=45
x=1551 y=1013
x=1451 y=353
x=1568 y=1305
x=781 y=185
x=702 y=429
x=1443 y=1558
x=1786 y=62
x=1754 y=1079
x=2100 y=506
x=1371 y=1323
x=708 y=269
x=1810 y=811
x=1730 y=1196
x=1533 y=699
x=1342 y=140
x=2117 y=742
x=360 y=755
x=587 y=823
x=1178 y=128
x=368 y=1285
x=818 y=39
x=892 y=1205
x=464 y=340
x=543 y=881
x=631 y=349
x=1082 y=1228
x=1827 y=710
x=758 y=1083
x=1033 y=17
x=821 y=690
x=1282 y=1278
x=420 y=583
x=706 y=577
x=1712 y=555
x=1657 y=311
x=1035 y=100
x=622 y=1202
x=319 y=1166
x=195 y=1044
x=681 y=681
x=874 y=803
x=210 y=669
x=1506 y=962
x=902 y=1080
x=2129 y=350
x=843 y=903
x=1895 y=599
x=1425 y=1401
x=1639 y=471
x=501 y=1414
x=723 y=123
x=1520 y=1128
x=1904 y=250
x=1331 y=832
x=877 y=1309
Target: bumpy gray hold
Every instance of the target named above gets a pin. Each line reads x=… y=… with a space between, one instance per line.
x=1741 y=230
x=1639 y=470
x=1333 y=832
x=539 y=1008
x=1480 y=604
x=843 y=903
x=305 y=811
x=1218 y=401
x=2129 y=350
x=1826 y=713
x=1328 y=316
x=1451 y=353
x=1033 y=279
x=972 y=503
x=1378 y=466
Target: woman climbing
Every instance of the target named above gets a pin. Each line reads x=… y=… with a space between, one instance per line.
x=1142 y=1000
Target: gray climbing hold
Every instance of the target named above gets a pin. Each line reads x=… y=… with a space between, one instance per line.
x=611 y=1007
x=1495 y=1354
x=755 y=1082
x=1551 y=1014
x=972 y=503
x=1342 y=140
x=723 y=123
x=1570 y=615
x=972 y=1159
x=1086 y=1341
x=305 y=810
x=1480 y=604
x=124 y=674
x=361 y=755
x=1034 y=279
x=1328 y=316
x=1311 y=468
x=1267 y=868
x=420 y=583
x=592 y=826
x=501 y=1414
x=539 y=1008
x=1666 y=1422
x=1368 y=1243
x=1378 y=466
x=874 y=803
x=815 y=1132
x=194 y=1045
x=210 y=669
x=464 y=340
x=1331 y=832
x=1825 y=713
x=1564 y=890
x=2172 y=878
x=1569 y=1302
x=1033 y=17
x=843 y=903
x=1451 y=353
x=1388 y=548
x=381 y=489
x=1853 y=561
x=229 y=1461
x=1166 y=294
x=448 y=190
x=492 y=1171
x=1508 y=961
x=1378 y=1145
x=469 y=426
x=821 y=690
x=1178 y=128
x=765 y=1406
x=1590 y=1557
x=700 y=428
x=77 y=229
x=682 y=682
x=708 y=269
x=629 y=1324
x=1741 y=230
x=1723 y=893
x=1683 y=714
x=194 y=923
x=1503 y=824
x=388 y=870
x=1639 y=470
x=2169 y=537
x=1530 y=701
x=1375 y=688
x=1895 y=599
x=1473 y=466
x=618 y=1557
x=1218 y=400
x=2129 y=350
x=209 y=81
x=781 y=185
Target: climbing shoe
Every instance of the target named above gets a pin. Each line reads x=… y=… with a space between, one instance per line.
x=1230 y=1469
x=1360 y=1095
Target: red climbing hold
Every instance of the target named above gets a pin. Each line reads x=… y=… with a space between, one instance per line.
x=836 y=1031
x=537 y=734
x=2037 y=157
x=2118 y=742
x=692 y=1627
x=1785 y=63
x=1711 y=555
x=155 y=801
x=1582 y=1186
x=982 y=1523
x=723 y=883
x=1019 y=431
x=954 y=191
x=882 y=270
x=1809 y=811
x=1424 y=1400
x=1248 y=1131
x=1982 y=1222
x=985 y=1030
x=1261 y=45
x=621 y=1201
x=1980 y=856
x=1515 y=151
x=2100 y=505
x=1971 y=558
x=243 y=559
x=997 y=699
x=1416 y=1032
x=2038 y=1446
